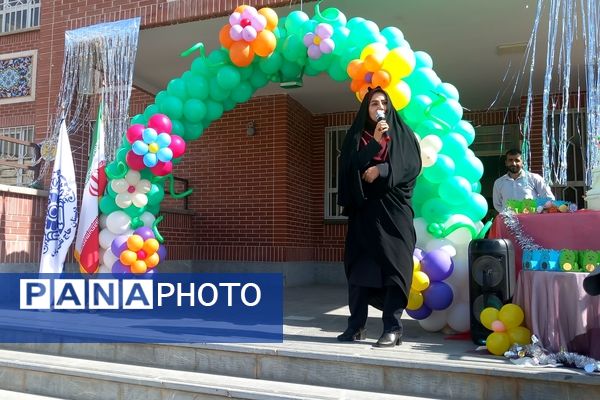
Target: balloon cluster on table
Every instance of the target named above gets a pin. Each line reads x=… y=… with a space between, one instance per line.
x=506 y=328
x=259 y=47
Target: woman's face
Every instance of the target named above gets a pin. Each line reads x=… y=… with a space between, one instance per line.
x=378 y=103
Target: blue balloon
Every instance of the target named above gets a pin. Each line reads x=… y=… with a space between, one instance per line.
x=438 y=296
x=420 y=313
x=165 y=154
x=150 y=160
x=163 y=140
x=139 y=147
x=149 y=135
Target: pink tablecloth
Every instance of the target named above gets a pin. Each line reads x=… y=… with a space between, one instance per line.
x=559 y=312
x=577 y=231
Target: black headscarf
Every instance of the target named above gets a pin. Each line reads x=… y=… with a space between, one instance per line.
x=404 y=154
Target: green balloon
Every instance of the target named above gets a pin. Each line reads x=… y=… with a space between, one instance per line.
x=156 y=194
x=217 y=93
x=134 y=211
x=393 y=36
x=440 y=171
x=294 y=22
x=424 y=190
x=450 y=111
x=228 y=104
x=422 y=81
x=160 y=97
x=177 y=128
x=194 y=110
x=214 y=110
x=153 y=209
x=293 y=48
x=414 y=112
x=476 y=187
x=197 y=87
x=470 y=168
x=246 y=72
x=332 y=16
x=436 y=210
x=429 y=127
x=340 y=38
x=465 y=129
x=454 y=145
x=176 y=87
x=139 y=119
x=272 y=64
x=172 y=106
x=242 y=92
x=258 y=79
x=200 y=66
x=151 y=110
x=192 y=131
x=228 y=77
x=322 y=63
x=107 y=204
x=337 y=73
x=290 y=71
x=476 y=207
x=423 y=60
x=216 y=60
x=455 y=190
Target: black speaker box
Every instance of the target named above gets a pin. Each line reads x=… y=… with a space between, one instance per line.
x=491 y=280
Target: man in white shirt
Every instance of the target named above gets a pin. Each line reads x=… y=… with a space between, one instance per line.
x=518 y=184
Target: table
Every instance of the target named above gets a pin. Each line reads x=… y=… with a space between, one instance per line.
x=579 y=230
x=559 y=312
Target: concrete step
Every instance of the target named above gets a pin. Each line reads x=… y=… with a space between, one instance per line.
x=6 y=395
x=405 y=371
x=80 y=379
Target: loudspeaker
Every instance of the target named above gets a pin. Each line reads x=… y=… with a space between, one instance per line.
x=491 y=280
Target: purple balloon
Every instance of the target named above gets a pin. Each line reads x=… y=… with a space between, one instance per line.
x=145 y=232
x=162 y=253
x=437 y=264
x=438 y=296
x=119 y=244
x=418 y=253
x=420 y=313
x=119 y=268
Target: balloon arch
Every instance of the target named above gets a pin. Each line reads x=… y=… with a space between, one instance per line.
x=258 y=48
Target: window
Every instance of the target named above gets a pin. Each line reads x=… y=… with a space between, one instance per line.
x=18 y=15
x=19 y=153
x=334 y=137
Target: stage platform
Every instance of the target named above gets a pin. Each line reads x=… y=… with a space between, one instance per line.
x=309 y=364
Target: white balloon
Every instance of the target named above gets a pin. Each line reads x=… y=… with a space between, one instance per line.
x=459 y=237
x=442 y=244
x=103 y=269
x=119 y=185
x=118 y=222
x=147 y=218
x=423 y=237
x=139 y=200
x=428 y=157
x=123 y=200
x=459 y=317
x=435 y=322
x=133 y=177
x=433 y=142
x=105 y=237
x=109 y=258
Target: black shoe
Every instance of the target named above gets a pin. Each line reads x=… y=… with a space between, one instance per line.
x=352 y=334
x=389 y=339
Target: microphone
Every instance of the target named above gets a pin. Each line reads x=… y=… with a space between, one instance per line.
x=380 y=116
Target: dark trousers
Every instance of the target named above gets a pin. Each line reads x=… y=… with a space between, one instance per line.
x=394 y=303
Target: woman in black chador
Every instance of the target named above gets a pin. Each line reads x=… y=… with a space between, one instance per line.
x=379 y=164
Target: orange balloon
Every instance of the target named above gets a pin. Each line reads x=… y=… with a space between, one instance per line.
x=241 y=54
x=224 y=38
x=152 y=261
x=150 y=246
x=381 y=78
x=264 y=44
x=363 y=91
x=240 y=9
x=271 y=17
x=356 y=84
x=356 y=69
x=373 y=62
x=139 y=267
x=128 y=257
x=135 y=242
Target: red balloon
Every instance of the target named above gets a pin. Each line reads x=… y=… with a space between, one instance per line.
x=160 y=123
x=134 y=161
x=162 y=168
x=177 y=146
x=135 y=132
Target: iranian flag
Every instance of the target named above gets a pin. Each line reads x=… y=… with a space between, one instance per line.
x=87 y=245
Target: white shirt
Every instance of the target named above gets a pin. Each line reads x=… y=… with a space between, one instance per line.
x=527 y=186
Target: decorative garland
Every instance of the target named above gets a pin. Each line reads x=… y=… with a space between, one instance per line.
x=524 y=241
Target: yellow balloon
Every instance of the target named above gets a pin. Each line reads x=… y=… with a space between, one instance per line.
x=152 y=261
x=497 y=343
x=400 y=95
x=128 y=257
x=520 y=335
x=487 y=316
x=420 y=281
x=511 y=315
x=150 y=246
x=374 y=48
x=416 y=264
x=415 y=300
x=135 y=242
x=139 y=267
x=400 y=62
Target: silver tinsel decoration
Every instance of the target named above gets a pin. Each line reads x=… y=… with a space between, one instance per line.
x=536 y=354
x=524 y=241
x=98 y=60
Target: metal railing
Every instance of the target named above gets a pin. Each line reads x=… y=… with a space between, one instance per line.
x=17 y=15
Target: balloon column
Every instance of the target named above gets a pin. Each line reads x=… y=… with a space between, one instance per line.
x=259 y=47
x=506 y=326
